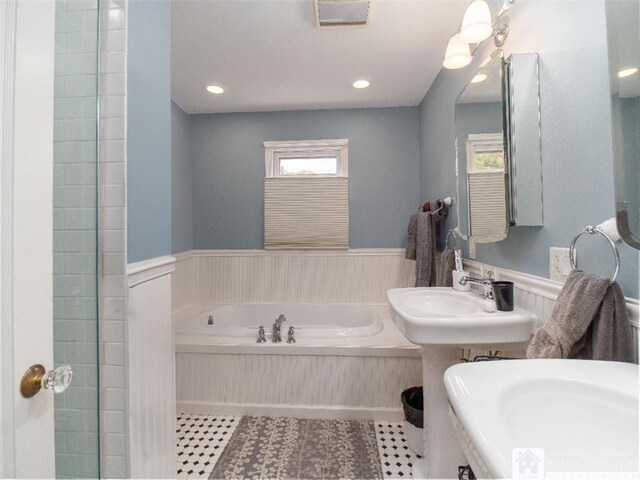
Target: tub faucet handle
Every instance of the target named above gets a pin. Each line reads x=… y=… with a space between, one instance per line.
x=290 y=335
x=261 y=335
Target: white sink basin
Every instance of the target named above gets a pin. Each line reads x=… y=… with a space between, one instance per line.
x=443 y=316
x=571 y=415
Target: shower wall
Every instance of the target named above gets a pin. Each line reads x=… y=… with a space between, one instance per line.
x=74 y=237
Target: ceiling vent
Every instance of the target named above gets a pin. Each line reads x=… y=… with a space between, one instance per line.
x=342 y=13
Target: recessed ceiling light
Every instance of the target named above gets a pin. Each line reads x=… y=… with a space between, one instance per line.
x=627 y=72
x=215 y=89
x=481 y=77
x=362 y=83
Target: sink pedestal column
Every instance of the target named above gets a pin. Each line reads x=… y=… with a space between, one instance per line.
x=443 y=454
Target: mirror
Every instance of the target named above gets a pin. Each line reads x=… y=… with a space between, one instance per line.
x=623 y=31
x=480 y=150
x=498 y=152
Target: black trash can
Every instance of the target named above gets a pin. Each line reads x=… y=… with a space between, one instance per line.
x=413 y=406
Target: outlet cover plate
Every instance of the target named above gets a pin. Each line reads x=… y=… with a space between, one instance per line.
x=559 y=264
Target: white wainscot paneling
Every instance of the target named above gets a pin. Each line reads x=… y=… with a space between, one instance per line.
x=183 y=281
x=316 y=386
x=151 y=380
x=251 y=276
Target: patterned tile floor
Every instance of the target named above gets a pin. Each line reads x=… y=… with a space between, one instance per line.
x=202 y=438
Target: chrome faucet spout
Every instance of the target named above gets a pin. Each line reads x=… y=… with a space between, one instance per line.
x=480 y=281
x=486 y=282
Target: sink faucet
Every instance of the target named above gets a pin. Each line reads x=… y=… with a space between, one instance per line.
x=276 y=336
x=486 y=282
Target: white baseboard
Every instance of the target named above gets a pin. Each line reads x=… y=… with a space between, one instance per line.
x=297 y=411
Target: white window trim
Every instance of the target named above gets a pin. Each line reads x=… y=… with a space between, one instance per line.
x=274 y=151
x=482 y=142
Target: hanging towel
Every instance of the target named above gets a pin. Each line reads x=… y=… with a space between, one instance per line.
x=426 y=266
x=410 y=251
x=609 y=337
x=425 y=250
x=446 y=265
x=585 y=301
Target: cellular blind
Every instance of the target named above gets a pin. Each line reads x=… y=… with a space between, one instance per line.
x=487 y=206
x=306 y=213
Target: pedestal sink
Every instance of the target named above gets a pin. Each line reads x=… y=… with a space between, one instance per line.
x=442 y=321
x=554 y=418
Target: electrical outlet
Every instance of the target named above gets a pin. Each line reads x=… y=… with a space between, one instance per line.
x=559 y=264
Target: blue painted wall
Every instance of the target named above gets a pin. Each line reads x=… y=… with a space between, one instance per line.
x=181 y=181
x=570 y=38
x=228 y=172
x=149 y=130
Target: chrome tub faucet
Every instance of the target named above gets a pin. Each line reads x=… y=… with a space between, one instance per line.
x=276 y=336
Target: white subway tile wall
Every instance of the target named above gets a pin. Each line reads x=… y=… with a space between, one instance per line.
x=112 y=239
x=74 y=235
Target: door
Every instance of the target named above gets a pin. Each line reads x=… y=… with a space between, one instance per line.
x=27 y=234
x=47 y=240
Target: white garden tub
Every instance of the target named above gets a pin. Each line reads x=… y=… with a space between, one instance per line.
x=309 y=320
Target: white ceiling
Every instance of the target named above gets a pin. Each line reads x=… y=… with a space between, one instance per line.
x=270 y=56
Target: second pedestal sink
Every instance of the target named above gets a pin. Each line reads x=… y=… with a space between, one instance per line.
x=572 y=418
x=442 y=321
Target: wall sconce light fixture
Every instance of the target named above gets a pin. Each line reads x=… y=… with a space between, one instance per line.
x=476 y=27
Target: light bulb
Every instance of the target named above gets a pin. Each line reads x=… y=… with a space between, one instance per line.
x=476 y=23
x=457 y=55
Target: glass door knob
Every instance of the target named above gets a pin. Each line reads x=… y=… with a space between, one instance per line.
x=36 y=378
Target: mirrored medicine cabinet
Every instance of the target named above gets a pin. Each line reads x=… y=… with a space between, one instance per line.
x=623 y=32
x=498 y=151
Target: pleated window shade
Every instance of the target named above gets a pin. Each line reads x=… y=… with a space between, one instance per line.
x=306 y=213
x=487 y=205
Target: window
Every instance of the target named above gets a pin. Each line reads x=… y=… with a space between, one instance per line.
x=306 y=195
x=317 y=158
x=485 y=153
x=308 y=166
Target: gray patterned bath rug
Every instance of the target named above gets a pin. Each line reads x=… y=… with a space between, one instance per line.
x=292 y=448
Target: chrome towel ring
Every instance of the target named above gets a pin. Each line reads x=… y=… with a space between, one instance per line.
x=591 y=231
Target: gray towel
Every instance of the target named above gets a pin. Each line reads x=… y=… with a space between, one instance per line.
x=609 y=337
x=425 y=250
x=410 y=252
x=446 y=264
x=589 y=320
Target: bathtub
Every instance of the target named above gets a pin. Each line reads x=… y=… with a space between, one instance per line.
x=309 y=320
x=349 y=361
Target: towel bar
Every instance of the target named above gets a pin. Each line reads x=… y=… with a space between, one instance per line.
x=592 y=231
x=448 y=201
